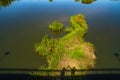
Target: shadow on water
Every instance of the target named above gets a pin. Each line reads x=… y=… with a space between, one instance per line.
x=5 y=54
x=97 y=74
x=5 y=3
x=117 y=55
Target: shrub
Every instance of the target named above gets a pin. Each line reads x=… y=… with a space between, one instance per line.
x=87 y=1
x=46 y=46
x=77 y=20
x=68 y=29
x=56 y=26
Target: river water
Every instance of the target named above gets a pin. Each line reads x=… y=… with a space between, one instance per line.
x=25 y=22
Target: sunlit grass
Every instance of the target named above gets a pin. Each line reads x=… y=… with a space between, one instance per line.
x=56 y=26
x=71 y=47
x=87 y=1
x=68 y=29
x=77 y=53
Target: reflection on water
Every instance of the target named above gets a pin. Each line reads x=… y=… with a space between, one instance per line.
x=50 y=0
x=5 y=3
x=77 y=0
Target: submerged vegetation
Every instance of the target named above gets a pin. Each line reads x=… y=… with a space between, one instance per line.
x=69 y=51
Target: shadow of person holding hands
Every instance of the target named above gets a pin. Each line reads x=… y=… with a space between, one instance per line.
x=62 y=74
x=73 y=73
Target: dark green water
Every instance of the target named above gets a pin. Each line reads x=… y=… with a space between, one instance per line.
x=25 y=22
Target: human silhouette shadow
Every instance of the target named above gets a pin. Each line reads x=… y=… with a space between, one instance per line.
x=62 y=73
x=25 y=76
x=73 y=71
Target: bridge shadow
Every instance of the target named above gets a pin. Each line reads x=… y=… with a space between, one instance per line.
x=91 y=74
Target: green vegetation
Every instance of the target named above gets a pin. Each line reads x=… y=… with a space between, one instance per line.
x=68 y=29
x=46 y=46
x=87 y=1
x=83 y=1
x=71 y=50
x=77 y=53
x=77 y=0
x=56 y=26
x=5 y=2
x=50 y=0
x=78 y=22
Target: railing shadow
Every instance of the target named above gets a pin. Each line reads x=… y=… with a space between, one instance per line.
x=91 y=74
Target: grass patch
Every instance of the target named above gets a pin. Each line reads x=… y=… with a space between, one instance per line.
x=87 y=1
x=70 y=48
x=77 y=53
x=56 y=26
x=68 y=29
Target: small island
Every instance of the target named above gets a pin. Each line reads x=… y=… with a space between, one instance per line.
x=56 y=26
x=69 y=51
x=87 y=1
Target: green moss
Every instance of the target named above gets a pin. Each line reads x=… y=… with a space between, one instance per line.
x=56 y=26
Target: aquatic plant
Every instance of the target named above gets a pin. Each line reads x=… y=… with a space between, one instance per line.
x=56 y=26
x=87 y=1
x=46 y=46
x=68 y=29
